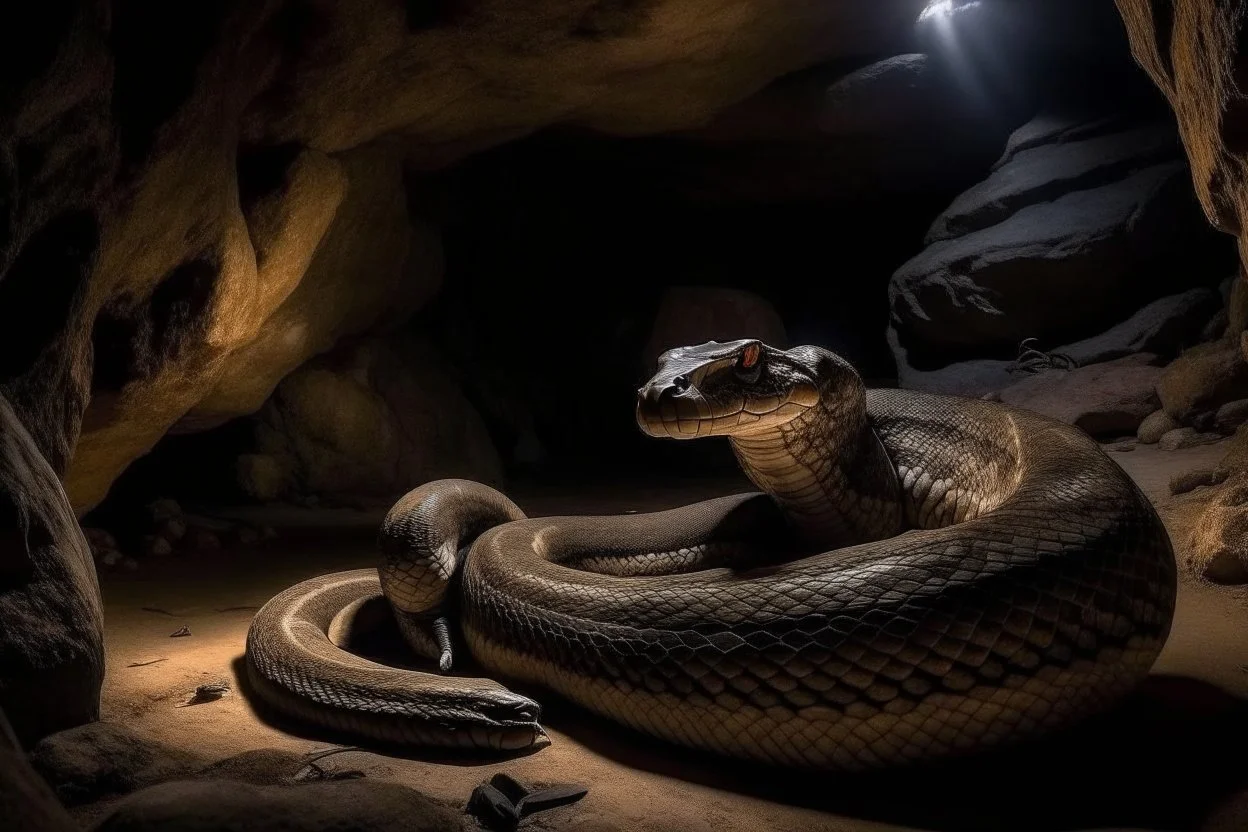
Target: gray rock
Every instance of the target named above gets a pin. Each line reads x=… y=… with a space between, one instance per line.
x=1186 y=438
x=1107 y=399
x=1055 y=128
x=92 y=761
x=213 y=805
x=51 y=636
x=1231 y=415
x=1156 y=425
x=1048 y=268
x=1047 y=171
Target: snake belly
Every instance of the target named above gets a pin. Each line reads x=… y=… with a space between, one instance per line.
x=1034 y=585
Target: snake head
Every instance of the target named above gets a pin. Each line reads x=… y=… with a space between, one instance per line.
x=738 y=388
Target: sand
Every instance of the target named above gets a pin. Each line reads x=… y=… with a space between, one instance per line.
x=1163 y=760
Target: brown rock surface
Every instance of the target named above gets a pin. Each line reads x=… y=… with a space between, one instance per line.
x=51 y=628
x=1106 y=399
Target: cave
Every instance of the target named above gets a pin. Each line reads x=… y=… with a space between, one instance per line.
x=342 y=348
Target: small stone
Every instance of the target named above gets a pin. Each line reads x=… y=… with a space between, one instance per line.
x=1156 y=425
x=157 y=545
x=173 y=529
x=248 y=536
x=129 y=564
x=1231 y=415
x=99 y=539
x=204 y=540
x=110 y=558
x=1123 y=445
x=164 y=509
x=1187 y=438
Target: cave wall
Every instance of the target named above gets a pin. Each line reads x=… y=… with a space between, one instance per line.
x=198 y=200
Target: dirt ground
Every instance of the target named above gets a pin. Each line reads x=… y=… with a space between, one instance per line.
x=1163 y=760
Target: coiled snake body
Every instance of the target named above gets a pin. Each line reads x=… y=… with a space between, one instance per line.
x=921 y=576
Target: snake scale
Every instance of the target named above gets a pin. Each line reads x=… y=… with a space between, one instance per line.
x=918 y=576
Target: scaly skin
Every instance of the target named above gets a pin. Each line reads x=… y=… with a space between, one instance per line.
x=979 y=575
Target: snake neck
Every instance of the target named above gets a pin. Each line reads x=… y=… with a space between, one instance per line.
x=829 y=472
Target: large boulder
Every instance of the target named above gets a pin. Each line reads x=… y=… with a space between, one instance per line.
x=1162 y=329
x=365 y=424
x=1202 y=379
x=26 y=802
x=51 y=622
x=1064 y=239
x=1105 y=400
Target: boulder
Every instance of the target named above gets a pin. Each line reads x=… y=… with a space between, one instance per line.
x=51 y=639
x=1203 y=379
x=1061 y=241
x=1231 y=415
x=1109 y=399
x=1162 y=328
x=366 y=424
x=26 y=802
x=697 y=314
x=94 y=761
x=1216 y=547
x=1156 y=425
x=209 y=805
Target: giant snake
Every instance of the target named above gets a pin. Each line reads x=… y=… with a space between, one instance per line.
x=921 y=576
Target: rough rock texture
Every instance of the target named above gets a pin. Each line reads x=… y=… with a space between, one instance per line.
x=1203 y=379
x=696 y=314
x=1162 y=328
x=26 y=802
x=368 y=423
x=353 y=806
x=1217 y=549
x=1186 y=438
x=179 y=184
x=1109 y=399
x=51 y=627
x=1156 y=425
x=93 y=761
x=1061 y=241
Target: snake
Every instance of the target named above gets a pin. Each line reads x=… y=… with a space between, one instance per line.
x=914 y=577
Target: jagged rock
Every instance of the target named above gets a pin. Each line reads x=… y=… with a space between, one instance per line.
x=1180 y=438
x=695 y=314
x=1155 y=426
x=1202 y=379
x=350 y=806
x=1231 y=415
x=92 y=761
x=1216 y=548
x=51 y=637
x=1107 y=399
x=369 y=423
x=1061 y=240
x=1162 y=328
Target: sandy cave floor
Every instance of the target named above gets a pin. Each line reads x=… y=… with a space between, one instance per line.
x=1160 y=761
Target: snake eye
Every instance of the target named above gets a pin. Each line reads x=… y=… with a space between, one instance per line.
x=748 y=364
x=681 y=383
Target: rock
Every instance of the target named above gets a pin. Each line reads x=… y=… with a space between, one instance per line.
x=367 y=424
x=1231 y=415
x=695 y=315
x=51 y=641
x=93 y=761
x=1216 y=547
x=1202 y=379
x=157 y=545
x=165 y=509
x=1156 y=425
x=1104 y=399
x=248 y=536
x=349 y=806
x=173 y=529
x=99 y=540
x=26 y=802
x=1186 y=438
x=263 y=477
x=1059 y=243
x=1124 y=445
x=1199 y=478
x=203 y=540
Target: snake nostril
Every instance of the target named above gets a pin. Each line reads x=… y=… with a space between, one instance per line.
x=680 y=384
